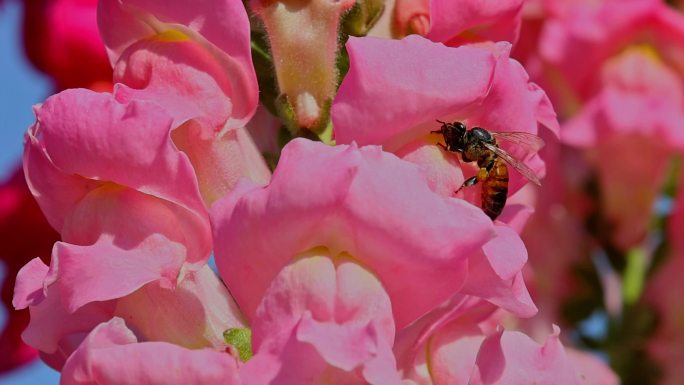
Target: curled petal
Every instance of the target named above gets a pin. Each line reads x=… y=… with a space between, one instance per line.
x=111 y=355
x=29 y=289
x=123 y=23
x=496 y=274
x=103 y=271
x=178 y=74
x=514 y=358
x=52 y=329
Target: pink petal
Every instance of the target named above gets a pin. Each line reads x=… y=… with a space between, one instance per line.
x=592 y=369
x=454 y=79
x=193 y=315
x=506 y=252
x=110 y=355
x=372 y=206
x=453 y=351
x=495 y=273
x=56 y=332
x=456 y=22
x=441 y=346
x=514 y=358
x=43 y=177
x=179 y=75
x=123 y=23
x=342 y=294
x=221 y=160
x=104 y=271
x=50 y=321
x=29 y=287
x=443 y=172
x=339 y=345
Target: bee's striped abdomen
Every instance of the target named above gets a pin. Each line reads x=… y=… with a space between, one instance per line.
x=495 y=189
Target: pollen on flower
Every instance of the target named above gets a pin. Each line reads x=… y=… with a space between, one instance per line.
x=171 y=35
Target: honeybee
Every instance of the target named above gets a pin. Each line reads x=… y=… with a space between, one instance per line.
x=479 y=145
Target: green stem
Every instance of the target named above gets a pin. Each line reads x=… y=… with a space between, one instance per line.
x=635 y=275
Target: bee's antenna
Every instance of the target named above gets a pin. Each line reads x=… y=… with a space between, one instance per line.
x=439 y=121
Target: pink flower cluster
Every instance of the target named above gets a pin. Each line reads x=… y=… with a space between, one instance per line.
x=349 y=264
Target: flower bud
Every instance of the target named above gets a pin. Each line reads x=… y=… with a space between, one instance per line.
x=304 y=41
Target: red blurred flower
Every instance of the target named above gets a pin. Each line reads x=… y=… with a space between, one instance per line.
x=61 y=39
x=24 y=234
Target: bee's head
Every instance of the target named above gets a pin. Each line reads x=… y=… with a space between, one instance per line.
x=454 y=134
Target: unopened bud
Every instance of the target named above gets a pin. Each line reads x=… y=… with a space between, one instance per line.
x=304 y=40
x=363 y=17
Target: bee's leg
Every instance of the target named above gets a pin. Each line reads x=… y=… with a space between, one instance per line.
x=481 y=176
x=443 y=146
x=468 y=182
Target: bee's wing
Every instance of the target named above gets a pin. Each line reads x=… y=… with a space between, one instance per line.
x=518 y=165
x=529 y=142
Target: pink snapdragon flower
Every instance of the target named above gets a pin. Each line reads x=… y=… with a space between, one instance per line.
x=132 y=176
x=364 y=224
x=480 y=86
x=193 y=314
x=457 y=22
x=130 y=218
x=371 y=207
x=636 y=118
x=199 y=69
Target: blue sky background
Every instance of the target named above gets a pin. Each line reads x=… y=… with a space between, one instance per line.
x=20 y=88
